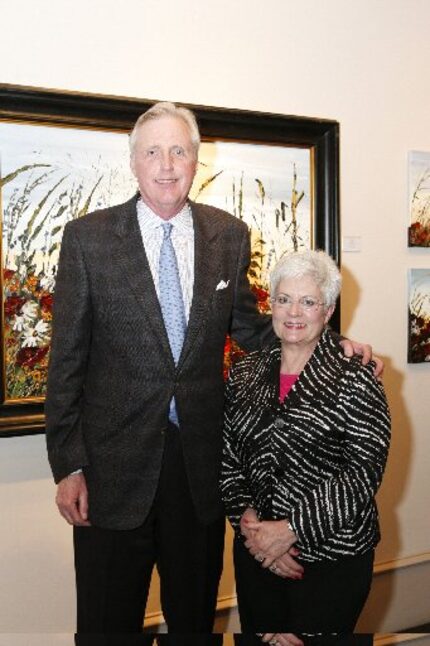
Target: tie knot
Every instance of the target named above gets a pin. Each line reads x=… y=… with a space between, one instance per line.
x=167 y=229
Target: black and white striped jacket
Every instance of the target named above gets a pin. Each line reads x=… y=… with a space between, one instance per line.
x=317 y=459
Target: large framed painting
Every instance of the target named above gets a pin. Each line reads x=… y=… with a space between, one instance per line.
x=63 y=155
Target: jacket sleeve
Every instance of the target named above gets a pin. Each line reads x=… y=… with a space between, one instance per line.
x=336 y=503
x=68 y=359
x=235 y=493
x=251 y=329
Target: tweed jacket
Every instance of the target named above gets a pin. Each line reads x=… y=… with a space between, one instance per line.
x=316 y=459
x=112 y=374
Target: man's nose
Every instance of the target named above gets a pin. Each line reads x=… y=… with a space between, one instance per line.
x=166 y=160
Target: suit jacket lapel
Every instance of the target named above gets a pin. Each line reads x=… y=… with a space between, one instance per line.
x=206 y=271
x=129 y=251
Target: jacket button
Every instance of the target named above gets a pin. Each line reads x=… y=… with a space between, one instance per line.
x=163 y=431
x=280 y=423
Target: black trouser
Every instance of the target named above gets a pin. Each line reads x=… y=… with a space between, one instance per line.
x=91 y=639
x=113 y=567
x=328 y=599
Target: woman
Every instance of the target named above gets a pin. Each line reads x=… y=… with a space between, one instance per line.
x=306 y=440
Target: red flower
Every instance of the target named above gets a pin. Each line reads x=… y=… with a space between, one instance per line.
x=261 y=294
x=28 y=357
x=13 y=305
x=8 y=273
x=419 y=235
x=232 y=352
x=46 y=302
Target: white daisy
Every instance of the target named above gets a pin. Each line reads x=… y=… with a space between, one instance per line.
x=18 y=323
x=29 y=310
x=48 y=282
x=34 y=336
x=415 y=328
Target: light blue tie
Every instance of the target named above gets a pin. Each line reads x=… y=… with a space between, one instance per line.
x=171 y=302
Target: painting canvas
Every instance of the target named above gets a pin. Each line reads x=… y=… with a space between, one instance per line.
x=270 y=189
x=48 y=176
x=419 y=316
x=419 y=199
x=65 y=154
x=52 y=175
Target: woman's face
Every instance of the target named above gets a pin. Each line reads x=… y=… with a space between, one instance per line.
x=293 y=322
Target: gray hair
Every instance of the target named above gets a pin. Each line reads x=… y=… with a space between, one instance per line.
x=167 y=109
x=318 y=265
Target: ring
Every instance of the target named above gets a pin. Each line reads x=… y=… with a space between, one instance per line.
x=273 y=642
x=273 y=569
x=259 y=558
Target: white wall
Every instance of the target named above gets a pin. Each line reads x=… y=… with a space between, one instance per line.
x=364 y=63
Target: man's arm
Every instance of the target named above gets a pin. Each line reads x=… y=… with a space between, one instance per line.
x=251 y=329
x=66 y=377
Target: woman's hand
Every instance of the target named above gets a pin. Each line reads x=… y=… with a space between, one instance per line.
x=281 y=639
x=287 y=567
x=248 y=516
x=268 y=539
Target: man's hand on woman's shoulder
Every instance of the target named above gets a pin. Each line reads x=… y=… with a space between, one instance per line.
x=365 y=351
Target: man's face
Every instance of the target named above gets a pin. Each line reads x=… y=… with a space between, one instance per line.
x=164 y=163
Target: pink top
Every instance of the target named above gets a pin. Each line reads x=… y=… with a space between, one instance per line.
x=285 y=384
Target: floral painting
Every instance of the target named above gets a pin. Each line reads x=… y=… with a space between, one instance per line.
x=419 y=199
x=50 y=175
x=419 y=315
x=269 y=188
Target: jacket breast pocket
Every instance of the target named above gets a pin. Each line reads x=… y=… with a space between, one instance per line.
x=221 y=307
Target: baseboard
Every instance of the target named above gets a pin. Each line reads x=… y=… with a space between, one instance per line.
x=411 y=639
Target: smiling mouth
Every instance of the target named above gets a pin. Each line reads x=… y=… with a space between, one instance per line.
x=166 y=181
x=294 y=326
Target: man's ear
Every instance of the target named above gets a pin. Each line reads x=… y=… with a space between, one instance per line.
x=133 y=164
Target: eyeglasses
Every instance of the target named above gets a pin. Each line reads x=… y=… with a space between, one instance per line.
x=307 y=303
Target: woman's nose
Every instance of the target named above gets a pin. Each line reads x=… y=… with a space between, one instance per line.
x=295 y=308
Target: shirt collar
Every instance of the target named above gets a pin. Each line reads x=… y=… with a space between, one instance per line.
x=149 y=221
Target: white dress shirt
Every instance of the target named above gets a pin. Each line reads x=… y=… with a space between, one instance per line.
x=183 y=242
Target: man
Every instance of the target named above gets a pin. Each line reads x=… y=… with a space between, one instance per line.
x=135 y=391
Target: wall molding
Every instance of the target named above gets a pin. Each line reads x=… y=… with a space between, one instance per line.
x=405 y=561
x=386 y=639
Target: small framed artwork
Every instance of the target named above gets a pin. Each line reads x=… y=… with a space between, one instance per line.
x=419 y=316
x=65 y=154
x=419 y=198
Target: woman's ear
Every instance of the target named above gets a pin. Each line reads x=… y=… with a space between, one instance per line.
x=329 y=313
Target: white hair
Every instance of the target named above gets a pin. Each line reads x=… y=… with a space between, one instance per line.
x=318 y=265
x=167 y=109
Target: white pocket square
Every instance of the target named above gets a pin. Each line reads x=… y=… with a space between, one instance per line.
x=222 y=285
